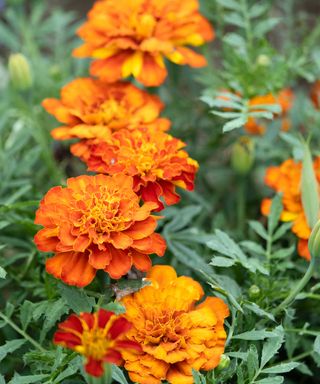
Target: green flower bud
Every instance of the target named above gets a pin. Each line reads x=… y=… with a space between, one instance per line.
x=263 y=60
x=224 y=362
x=20 y=72
x=242 y=155
x=314 y=241
x=254 y=291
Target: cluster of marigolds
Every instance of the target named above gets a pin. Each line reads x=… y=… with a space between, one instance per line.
x=107 y=221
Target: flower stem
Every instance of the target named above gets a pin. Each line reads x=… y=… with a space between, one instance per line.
x=21 y=332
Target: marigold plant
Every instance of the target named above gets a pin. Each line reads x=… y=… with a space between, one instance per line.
x=176 y=334
x=154 y=159
x=94 y=223
x=286 y=179
x=133 y=38
x=90 y=109
x=99 y=336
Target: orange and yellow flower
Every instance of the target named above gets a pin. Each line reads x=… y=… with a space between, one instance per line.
x=154 y=159
x=315 y=94
x=96 y=222
x=92 y=109
x=286 y=179
x=176 y=334
x=284 y=99
x=100 y=337
x=134 y=37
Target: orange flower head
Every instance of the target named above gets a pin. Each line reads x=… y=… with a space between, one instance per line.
x=175 y=333
x=98 y=336
x=285 y=99
x=286 y=179
x=96 y=222
x=315 y=94
x=92 y=109
x=154 y=159
x=134 y=37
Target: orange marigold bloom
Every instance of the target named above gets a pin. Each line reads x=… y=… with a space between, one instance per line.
x=286 y=179
x=175 y=333
x=315 y=94
x=154 y=159
x=98 y=336
x=92 y=109
x=94 y=223
x=134 y=37
x=284 y=99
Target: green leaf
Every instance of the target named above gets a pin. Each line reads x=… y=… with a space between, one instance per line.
x=198 y=377
x=17 y=379
x=272 y=346
x=118 y=375
x=259 y=311
x=316 y=345
x=2 y=380
x=76 y=299
x=257 y=10
x=233 y=124
x=183 y=218
x=284 y=228
x=254 y=335
x=265 y=26
x=26 y=313
x=115 y=307
x=252 y=361
x=253 y=247
x=281 y=368
x=10 y=346
x=3 y=273
x=220 y=261
x=283 y=253
x=275 y=213
x=230 y=4
x=270 y=380
x=309 y=189
x=259 y=229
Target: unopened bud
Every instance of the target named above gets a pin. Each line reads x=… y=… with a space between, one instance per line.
x=20 y=72
x=254 y=291
x=242 y=155
x=314 y=241
x=224 y=362
x=263 y=60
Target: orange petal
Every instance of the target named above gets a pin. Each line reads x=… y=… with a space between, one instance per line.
x=120 y=263
x=162 y=274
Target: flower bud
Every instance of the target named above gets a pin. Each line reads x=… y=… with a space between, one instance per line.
x=314 y=241
x=263 y=60
x=224 y=362
x=242 y=155
x=20 y=72
x=254 y=291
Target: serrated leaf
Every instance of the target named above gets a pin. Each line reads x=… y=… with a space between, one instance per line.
x=3 y=273
x=54 y=311
x=284 y=228
x=10 y=346
x=270 y=380
x=233 y=124
x=254 y=335
x=259 y=311
x=272 y=346
x=76 y=299
x=198 y=377
x=316 y=345
x=283 y=252
x=281 y=368
x=17 y=379
x=220 y=261
x=252 y=362
x=259 y=229
x=309 y=189
x=118 y=375
x=26 y=313
x=253 y=247
x=275 y=213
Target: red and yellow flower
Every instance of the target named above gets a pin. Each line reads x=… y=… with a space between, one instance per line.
x=100 y=337
x=154 y=159
x=96 y=222
x=92 y=109
x=134 y=37
x=285 y=99
x=176 y=334
x=286 y=179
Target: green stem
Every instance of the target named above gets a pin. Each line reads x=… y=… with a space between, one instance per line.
x=22 y=333
x=297 y=288
x=298 y=357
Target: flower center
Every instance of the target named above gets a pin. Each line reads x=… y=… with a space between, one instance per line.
x=144 y=157
x=143 y=25
x=95 y=343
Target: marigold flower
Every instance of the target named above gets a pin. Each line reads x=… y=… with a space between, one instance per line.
x=93 y=109
x=286 y=179
x=98 y=336
x=174 y=332
x=154 y=159
x=94 y=223
x=284 y=99
x=315 y=94
x=134 y=37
